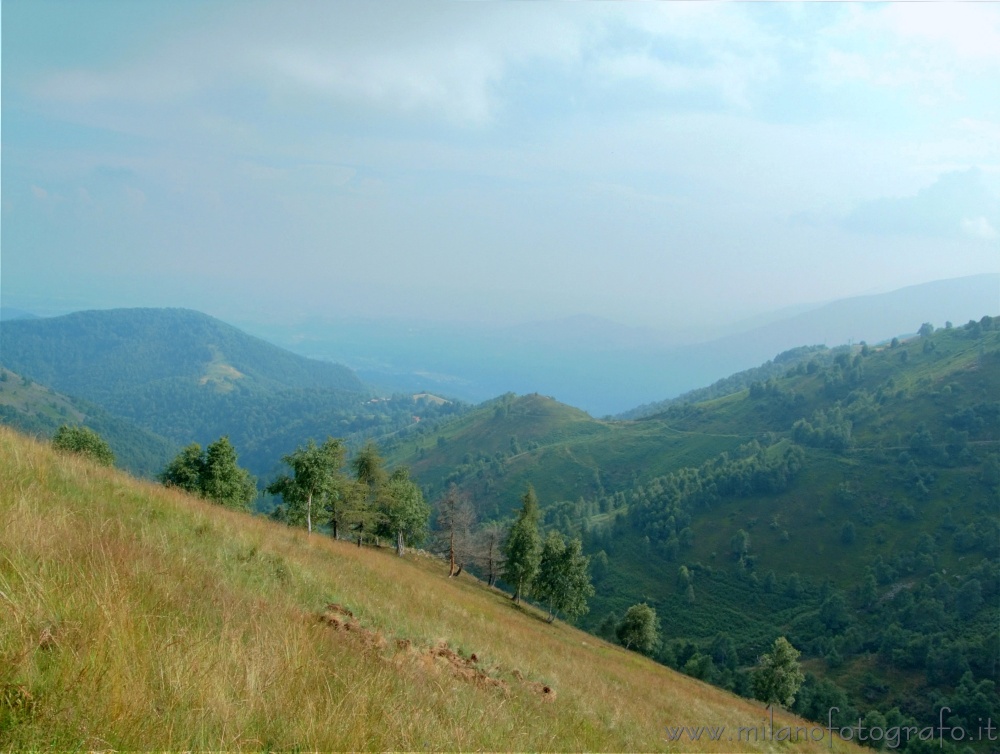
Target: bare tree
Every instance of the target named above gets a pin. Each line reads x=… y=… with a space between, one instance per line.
x=489 y=549
x=454 y=539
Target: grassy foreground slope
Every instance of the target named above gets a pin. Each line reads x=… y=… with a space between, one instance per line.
x=136 y=617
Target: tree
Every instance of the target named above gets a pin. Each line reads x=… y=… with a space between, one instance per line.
x=848 y=533
x=563 y=581
x=778 y=677
x=214 y=474
x=222 y=478
x=186 y=470
x=369 y=470
x=315 y=476
x=454 y=523
x=489 y=549
x=403 y=514
x=639 y=630
x=84 y=441
x=925 y=330
x=523 y=548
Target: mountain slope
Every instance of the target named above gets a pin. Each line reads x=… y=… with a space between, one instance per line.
x=97 y=354
x=191 y=378
x=161 y=621
x=849 y=503
x=38 y=410
x=493 y=452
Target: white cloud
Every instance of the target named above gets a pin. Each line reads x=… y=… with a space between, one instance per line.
x=39 y=193
x=928 y=48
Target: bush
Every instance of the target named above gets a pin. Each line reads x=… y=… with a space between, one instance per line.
x=85 y=441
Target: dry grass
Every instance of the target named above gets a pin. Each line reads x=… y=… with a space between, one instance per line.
x=134 y=617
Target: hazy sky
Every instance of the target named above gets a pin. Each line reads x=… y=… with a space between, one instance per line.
x=655 y=164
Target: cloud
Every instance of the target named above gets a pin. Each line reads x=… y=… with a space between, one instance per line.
x=957 y=204
x=934 y=51
x=39 y=193
x=445 y=60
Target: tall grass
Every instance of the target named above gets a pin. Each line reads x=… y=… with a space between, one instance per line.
x=135 y=617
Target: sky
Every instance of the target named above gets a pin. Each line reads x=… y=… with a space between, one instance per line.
x=656 y=164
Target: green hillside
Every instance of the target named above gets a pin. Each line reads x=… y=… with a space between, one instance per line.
x=135 y=617
x=190 y=378
x=38 y=410
x=494 y=451
x=851 y=503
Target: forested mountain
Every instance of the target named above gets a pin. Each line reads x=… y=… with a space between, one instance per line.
x=192 y=378
x=38 y=410
x=848 y=503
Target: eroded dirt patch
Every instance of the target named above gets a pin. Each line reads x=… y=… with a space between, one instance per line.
x=399 y=650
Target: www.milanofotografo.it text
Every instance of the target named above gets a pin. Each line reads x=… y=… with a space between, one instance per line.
x=890 y=736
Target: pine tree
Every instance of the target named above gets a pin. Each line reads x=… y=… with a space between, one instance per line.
x=403 y=514
x=369 y=470
x=523 y=547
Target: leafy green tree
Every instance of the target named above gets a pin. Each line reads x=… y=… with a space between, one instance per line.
x=84 y=441
x=563 y=581
x=402 y=511
x=214 y=474
x=186 y=470
x=639 y=630
x=222 y=478
x=315 y=477
x=970 y=598
x=778 y=676
x=523 y=548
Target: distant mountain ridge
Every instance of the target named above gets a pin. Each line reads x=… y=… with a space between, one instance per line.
x=607 y=368
x=7 y=313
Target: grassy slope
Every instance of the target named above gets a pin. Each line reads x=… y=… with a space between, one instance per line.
x=562 y=451
x=137 y=617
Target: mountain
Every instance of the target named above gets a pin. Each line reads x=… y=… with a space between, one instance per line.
x=494 y=451
x=7 y=313
x=191 y=378
x=848 y=502
x=873 y=318
x=94 y=354
x=38 y=410
x=139 y=618
x=608 y=368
